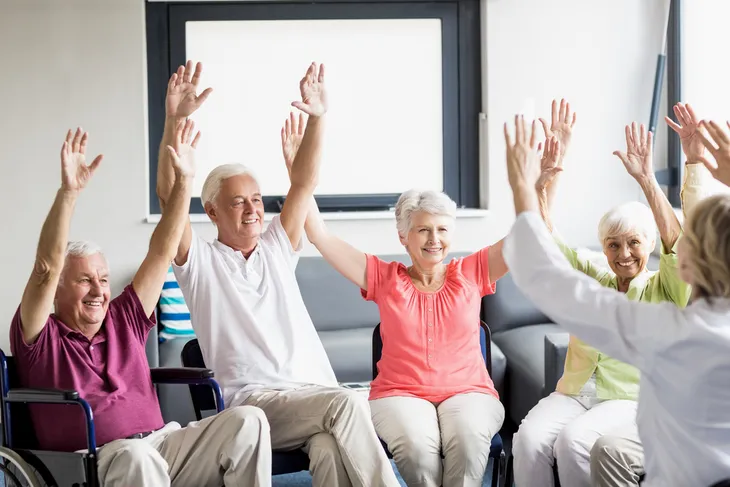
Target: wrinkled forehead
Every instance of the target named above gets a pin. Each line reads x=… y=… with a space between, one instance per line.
x=430 y=220
x=243 y=185
x=625 y=237
x=94 y=265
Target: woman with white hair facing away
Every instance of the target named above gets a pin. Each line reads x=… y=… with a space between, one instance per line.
x=683 y=353
x=597 y=393
x=433 y=394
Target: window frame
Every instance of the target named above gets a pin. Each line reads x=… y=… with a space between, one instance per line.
x=461 y=83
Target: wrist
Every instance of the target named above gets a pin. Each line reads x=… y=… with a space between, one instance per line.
x=647 y=180
x=68 y=193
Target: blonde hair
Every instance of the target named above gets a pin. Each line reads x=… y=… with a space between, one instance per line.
x=627 y=218
x=413 y=200
x=707 y=234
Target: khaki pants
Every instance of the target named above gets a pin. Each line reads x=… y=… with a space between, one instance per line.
x=417 y=432
x=617 y=459
x=333 y=426
x=231 y=448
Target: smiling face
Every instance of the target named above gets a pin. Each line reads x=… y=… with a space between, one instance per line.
x=238 y=212
x=428 y=239
x=627 y=254
x=82 y=296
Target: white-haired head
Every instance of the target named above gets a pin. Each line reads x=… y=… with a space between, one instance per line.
x=625 y=219
x=212 y=184
x=81 y=248
x=412 y=201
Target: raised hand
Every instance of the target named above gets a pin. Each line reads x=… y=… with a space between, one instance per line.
x=687 y=129
x=314 y=94
x=549 y=164
x=75 y=174
x=720 y=170
x=523 y=161
x=291 y=138
x=183 y=151
x=638 y=156
x=561 y=126
x=182 y=99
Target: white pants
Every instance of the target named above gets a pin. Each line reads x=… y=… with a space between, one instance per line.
x=617 y=458
x=231 y=448
x=417 y=432
x=333 y=426
x=562 y=427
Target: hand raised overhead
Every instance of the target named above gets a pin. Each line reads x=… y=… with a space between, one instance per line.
x=183 y=151
x=523 y=161
x=549 y=163
x=182 y=99
x=687 y=129
x=720 y=170
x=75 y=174
x=314 y=94
x=291 y=138
x=561 y=126
x=639 y=152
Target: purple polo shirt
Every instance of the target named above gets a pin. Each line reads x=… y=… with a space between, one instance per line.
x=110 y=371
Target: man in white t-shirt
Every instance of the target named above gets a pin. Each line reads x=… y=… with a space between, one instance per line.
x=248 y=313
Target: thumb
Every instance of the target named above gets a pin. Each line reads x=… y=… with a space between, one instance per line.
x=544 y=126
x=173 y=154
x=204 y=95
x=301 y=106
x=95 y=163
x=708 y=164
x=621 y=155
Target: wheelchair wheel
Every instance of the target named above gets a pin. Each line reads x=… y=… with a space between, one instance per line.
x=17 y=472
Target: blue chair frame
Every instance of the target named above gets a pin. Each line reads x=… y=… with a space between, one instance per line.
x=496 y=451
x=17 y=423
x=282 y=462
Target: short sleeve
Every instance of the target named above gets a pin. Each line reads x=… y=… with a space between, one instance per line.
x=379 y=273
x=184 y=273
x=27 y=353
x=667 y=284
x=127 y=310
x=275 y=236
x=475 y=268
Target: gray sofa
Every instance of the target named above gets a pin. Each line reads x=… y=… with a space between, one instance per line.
x=344 y=320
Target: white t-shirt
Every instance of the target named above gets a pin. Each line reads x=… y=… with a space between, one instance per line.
x=249 y=316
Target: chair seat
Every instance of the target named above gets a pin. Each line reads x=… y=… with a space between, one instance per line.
x=495 y=450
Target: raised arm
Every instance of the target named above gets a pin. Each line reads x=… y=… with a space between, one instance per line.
x=560 y=129
x=346 y=259
x=181 y=101
x=718 y=144
x=151 y=275
x=638 y=163
x=600 y=316
x=695 y=185
x=304 y=172
x=37 y=300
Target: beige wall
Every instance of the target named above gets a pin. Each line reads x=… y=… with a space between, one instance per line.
x=82 y=62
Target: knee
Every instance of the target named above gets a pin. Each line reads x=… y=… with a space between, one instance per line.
x=138 y=455
x=604 y=450
x=531 y=440
x=417 y=454
x=352 y=402
x=569 y=444
x=323 y=448
x=245 y=421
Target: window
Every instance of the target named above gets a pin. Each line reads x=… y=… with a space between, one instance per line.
x=403 y=82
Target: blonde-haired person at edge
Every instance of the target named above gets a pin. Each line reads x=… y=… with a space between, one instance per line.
x=597 y=393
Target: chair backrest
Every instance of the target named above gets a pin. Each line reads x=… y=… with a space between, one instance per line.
x=202 y=395
x=17 y=415
x=485 y=340
x=722 y=483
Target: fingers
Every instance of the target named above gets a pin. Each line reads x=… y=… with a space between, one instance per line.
x=320 y=78
x=692 y=115
x=708 y=164
x=718 y=133
x=562 y=115
x=292 y=124
x=649 y=142
x=622 y=155
x=300 y=106
x=672 y=124
x=629 y=138
x=194 y=145
x=533 y=134
x=64 y=150
x=642 y=134
x=705 y=141
x=187 y=132
x=173 y=82
x=554 y=112
x=288 y=125
x=76 y=144
x=300 y=127
x=575 y=118
x=95 y=163
x=507 y=138
x=69 y=137
x=180 y=75
x=84 y=141
x=204 y=96
x=519 y=130
x=188 y=72
x=545 y=127
x=196 y=75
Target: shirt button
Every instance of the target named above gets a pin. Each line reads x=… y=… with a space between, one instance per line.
x=430 y=309
x=429 y=355
x=430 y=324
x=91 y=347
x=430 y=340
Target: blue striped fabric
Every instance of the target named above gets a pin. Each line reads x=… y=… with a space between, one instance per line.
x=174 y=314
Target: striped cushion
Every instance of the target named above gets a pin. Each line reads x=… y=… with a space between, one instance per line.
x=174 y=314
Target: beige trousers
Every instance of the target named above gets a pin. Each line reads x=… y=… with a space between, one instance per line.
x=231 y=448
x=333 y=426
x=617 y=459
x=419 y=432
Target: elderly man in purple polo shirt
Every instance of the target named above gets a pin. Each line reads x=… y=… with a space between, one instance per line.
x=96 y=346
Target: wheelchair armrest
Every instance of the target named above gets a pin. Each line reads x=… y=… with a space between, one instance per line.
x=49 y=396
x=556 y=348
x=181 y=375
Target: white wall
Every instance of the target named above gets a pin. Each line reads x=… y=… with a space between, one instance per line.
x=82 y=62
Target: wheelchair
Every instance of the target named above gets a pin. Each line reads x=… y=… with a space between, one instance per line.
x=22 y=464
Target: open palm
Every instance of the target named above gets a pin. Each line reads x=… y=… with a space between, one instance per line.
x=716 y=136
x=183 y=152
x=291 y=138
x=561 y=126
x=638 y=156
x=314 y=94
x=182 y=99
x=75 y=174
x=549 y=164
x=687 y=128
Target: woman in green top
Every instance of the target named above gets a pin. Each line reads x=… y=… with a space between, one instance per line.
x=597 y=394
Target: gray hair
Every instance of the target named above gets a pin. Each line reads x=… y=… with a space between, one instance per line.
x=80 y=248
x=413 y=200
x=633 y=217
x=212 y=184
